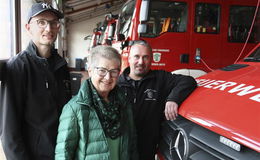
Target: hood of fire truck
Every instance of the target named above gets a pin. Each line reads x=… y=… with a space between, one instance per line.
x=228 y=111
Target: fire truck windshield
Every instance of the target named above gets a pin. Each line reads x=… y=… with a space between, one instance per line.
x=254 y=57
x=166 y=16
x=125 y=17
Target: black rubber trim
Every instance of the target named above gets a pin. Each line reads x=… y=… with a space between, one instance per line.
x=234 y=67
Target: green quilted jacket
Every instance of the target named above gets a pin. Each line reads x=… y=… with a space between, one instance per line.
x=80 y=134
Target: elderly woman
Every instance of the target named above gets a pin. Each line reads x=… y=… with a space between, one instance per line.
x=97 y=124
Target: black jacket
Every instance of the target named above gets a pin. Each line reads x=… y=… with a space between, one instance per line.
x=32 y=96
x=148 y=97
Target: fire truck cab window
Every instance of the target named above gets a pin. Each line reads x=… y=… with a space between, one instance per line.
x=240 y=21
x=207 y=18
x=166 y=16
x=125 y=17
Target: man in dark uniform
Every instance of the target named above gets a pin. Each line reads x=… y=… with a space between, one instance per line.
x=152 y=93
x=35 y=89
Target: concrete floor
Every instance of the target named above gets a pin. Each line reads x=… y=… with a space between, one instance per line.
x=2 y=156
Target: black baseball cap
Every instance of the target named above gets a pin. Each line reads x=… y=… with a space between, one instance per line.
x=38 y=8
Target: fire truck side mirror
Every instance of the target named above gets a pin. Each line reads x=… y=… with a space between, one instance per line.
x=142 y=28
x=124 y=44
x=144 y=11
x=120 y=37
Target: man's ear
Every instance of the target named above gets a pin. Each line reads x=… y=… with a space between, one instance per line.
x=27 y=27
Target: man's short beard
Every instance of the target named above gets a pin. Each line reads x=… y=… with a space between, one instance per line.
x=140 y=74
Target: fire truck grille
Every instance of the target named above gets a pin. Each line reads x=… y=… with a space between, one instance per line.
x=185 y=140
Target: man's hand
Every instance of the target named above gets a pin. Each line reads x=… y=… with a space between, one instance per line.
x=171 y=110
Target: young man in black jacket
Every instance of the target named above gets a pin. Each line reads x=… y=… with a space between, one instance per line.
x=152 y=93
x=34 y=91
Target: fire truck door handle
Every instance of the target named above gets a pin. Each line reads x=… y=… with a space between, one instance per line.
x=197 y=55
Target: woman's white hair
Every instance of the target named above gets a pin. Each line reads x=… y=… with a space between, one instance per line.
x=107 y=52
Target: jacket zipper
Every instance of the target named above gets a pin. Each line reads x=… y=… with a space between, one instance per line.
x=46 y=84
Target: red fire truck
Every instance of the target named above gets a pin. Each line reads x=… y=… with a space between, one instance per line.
x=104 y=33
x=220 y=119
x=194 y=36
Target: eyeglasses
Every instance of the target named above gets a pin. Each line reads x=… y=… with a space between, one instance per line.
x=42 y=23
x=103 y=72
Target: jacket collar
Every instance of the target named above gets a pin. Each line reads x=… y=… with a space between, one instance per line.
x=33 y=52
x=85 y=95
x=87 y=91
